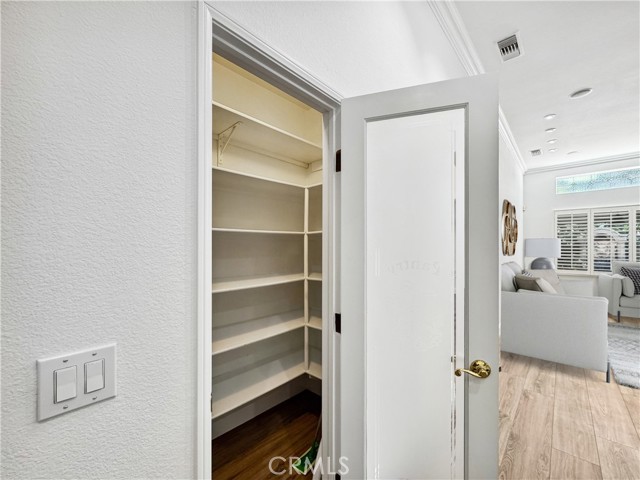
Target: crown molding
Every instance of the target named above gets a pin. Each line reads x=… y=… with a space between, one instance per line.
x=507 y=136
x=454 y=29
x=585 y=163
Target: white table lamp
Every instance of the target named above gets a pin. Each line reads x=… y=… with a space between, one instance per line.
x=545 y=249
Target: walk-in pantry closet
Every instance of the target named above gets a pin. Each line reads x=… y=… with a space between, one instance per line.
x=267 y=239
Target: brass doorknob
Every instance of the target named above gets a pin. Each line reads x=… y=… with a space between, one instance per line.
x=478 y=369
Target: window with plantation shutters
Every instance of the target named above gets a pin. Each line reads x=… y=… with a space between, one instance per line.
x=610 y=238
x=637 y=235
x=572 y=228
x=592 y=239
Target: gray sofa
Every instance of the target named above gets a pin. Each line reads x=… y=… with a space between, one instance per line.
x=563 y=328
x=622 y=301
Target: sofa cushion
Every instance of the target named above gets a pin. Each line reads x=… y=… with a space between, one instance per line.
x=628 y=289
x=634 y=275
x=514 y=267
x=507 y=276
x=633 y=302
x=617 y=265
x=550 y=276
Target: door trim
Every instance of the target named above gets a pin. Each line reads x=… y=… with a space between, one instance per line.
x=220 y=34
x=205 y=142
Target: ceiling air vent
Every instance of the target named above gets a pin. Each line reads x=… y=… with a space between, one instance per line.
x=536 y=153
x=509 y=48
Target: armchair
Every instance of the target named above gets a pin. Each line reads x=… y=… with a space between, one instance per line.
x=622 y=301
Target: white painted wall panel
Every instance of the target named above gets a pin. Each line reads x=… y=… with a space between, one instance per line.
x=99 y=231
x=411 y=245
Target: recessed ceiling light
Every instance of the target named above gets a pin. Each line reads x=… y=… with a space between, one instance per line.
x=552 y=150
x=553 y=140
x=572 y=152
x=583 y=92
x=550 y=130
x=550 y=116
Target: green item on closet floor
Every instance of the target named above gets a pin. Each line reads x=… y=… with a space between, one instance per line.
x=304 y=464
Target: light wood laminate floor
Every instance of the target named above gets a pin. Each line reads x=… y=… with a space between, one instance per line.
x=562 y=422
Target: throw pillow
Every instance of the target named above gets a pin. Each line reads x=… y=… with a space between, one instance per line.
x=523 y=274
x=550 y=276
x=545 y=286
x=634 y=275
x=526 y=281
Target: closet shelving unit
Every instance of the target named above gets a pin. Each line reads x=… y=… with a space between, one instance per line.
x=267 y=260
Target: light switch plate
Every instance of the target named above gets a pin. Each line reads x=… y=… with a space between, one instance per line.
x=46 y=377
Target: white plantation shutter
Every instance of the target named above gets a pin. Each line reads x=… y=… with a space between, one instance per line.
x=572 y=228
x=636 y=234
x=592 y=239
x=610 y=238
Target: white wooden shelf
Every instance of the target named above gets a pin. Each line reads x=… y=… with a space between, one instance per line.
x=244 y=230
x=317 y=277
x=257 y=177
x=258 y=136
x=245 y=202
x=241 y=334
x=315 y=322
x=315 y=370
x=254 y=282
x=254 y=383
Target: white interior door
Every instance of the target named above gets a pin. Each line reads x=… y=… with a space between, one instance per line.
x=419 y=289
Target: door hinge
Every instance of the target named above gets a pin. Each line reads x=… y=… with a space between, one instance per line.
x=339 y=161
x=338 y=323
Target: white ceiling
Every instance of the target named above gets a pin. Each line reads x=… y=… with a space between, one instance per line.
x=568 y=45
x=356 y=47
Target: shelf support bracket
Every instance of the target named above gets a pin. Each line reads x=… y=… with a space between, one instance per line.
x=224 y=137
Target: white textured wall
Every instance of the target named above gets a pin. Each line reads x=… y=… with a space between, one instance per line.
x=355 y=47
x=99 y=231
x=512 y=189
x=541 y=200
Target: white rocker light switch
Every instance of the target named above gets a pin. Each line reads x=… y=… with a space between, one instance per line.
x=64 y=381
x=93 y=376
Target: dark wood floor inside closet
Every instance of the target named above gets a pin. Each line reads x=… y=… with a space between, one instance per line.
x=286 y=430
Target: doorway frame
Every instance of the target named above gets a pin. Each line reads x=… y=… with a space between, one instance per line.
x=220 y=34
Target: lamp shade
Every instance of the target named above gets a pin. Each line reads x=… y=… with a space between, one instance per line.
x=542 y=247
